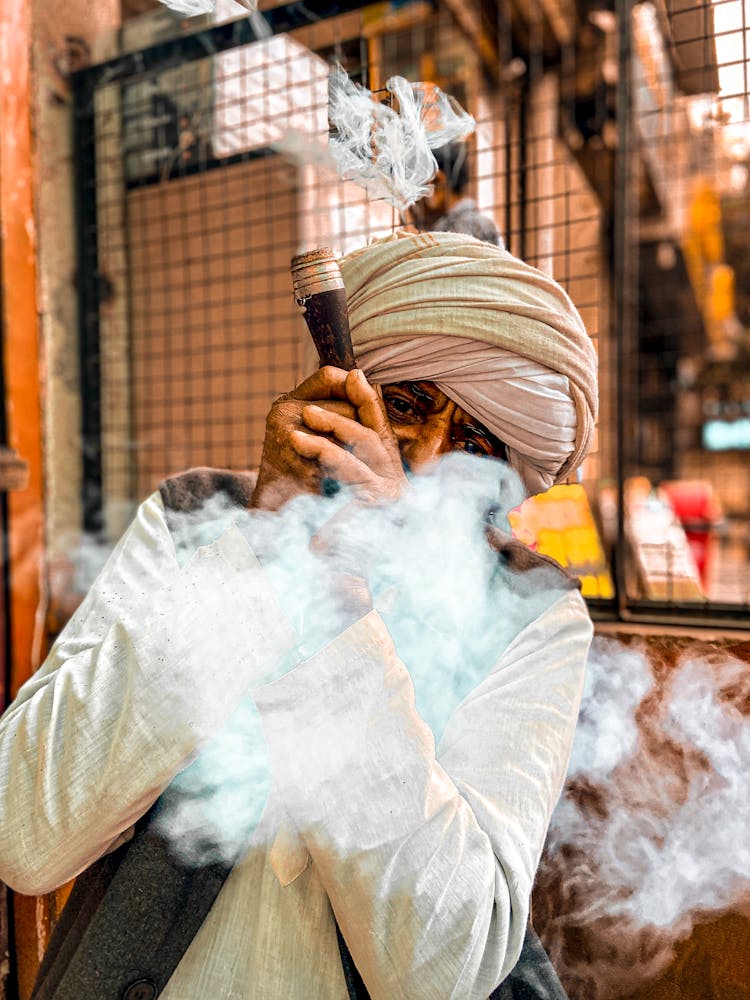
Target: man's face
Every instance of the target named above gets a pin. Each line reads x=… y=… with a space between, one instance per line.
x=428 y=424
x=425 y=213
x=436 y=203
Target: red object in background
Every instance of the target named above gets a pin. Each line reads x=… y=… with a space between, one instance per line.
x=696 y=505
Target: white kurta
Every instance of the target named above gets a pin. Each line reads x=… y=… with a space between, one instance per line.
x=427 y=858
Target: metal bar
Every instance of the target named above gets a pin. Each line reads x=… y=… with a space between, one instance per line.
x=211 y=41
x=87 y=268
x=624 y=274
x=201 y=166
x=728 y=617
x=6 y=649
x=8 y=981
x=506 y=91
x=523 y=166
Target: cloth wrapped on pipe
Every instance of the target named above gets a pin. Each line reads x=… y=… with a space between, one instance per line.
x=499 y=337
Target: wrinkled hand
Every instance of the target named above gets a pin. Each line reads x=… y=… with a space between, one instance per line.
x=333 y=426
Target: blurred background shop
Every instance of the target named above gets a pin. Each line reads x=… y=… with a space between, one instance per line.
x=157 y=173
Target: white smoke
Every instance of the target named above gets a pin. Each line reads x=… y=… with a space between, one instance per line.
x=192 y=8
x=440 y=606
x=386 y=151
x=651 y=836
x=712 y=818
x=616 y=681
x=212 y=807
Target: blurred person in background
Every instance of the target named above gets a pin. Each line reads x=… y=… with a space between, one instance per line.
x=449 y=209
x=303 y=742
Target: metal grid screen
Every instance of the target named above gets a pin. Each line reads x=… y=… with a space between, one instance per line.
x=610 y=157
x=683 y=341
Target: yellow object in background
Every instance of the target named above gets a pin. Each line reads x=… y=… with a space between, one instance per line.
x=559 y=523
x=721 y=301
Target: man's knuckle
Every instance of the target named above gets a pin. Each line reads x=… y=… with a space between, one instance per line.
x=330 y=375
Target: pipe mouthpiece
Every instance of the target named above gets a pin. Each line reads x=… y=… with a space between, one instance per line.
x=315 y=271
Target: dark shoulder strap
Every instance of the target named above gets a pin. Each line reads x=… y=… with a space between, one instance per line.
x=87 y=893
x=533 y=977
x=129 y=920
x=356 y=988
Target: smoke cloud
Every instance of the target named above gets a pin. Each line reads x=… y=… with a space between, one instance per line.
x=651 y=835
x=212 y=807
x=386 y=151
x=192 y=8
x=440 y=604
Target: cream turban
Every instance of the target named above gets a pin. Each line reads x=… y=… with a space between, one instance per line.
x=499 y=337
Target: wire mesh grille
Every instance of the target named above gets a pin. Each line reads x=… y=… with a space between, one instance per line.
x=209 y=175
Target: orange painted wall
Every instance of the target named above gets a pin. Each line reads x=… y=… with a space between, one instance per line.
x=20 y=334
x=23 y=403
x=40 y=41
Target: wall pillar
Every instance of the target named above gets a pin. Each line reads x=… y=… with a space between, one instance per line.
x=40 y=43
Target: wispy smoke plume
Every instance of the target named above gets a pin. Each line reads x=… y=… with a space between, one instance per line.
x=387 y=151
x=651 y=836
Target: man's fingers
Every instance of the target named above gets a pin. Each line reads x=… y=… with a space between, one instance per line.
x=284 y=470
x=326 y=383
x=345 y=467
x=369 y=403
x=334 y=460
x=335 y=406
x=366 y=445
x=357 y=447
x=327 y=422
x=327 y=453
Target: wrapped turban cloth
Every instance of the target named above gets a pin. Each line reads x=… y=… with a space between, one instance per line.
x=500 y=338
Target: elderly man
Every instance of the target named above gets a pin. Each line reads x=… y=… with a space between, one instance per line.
x=368 y=851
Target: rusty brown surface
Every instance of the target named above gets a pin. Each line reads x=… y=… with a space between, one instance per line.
x=134 y=8
x=712 y=964
x=21 y=337
x=4 y=944
x=602 y=956
x=31 y=916
x=21 y=367
x=41 y=43
x=14 y=472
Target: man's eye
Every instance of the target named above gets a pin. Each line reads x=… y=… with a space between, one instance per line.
x=474 y=446
x=398 y=406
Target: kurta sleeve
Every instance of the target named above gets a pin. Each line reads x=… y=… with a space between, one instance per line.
x=428 y=858
x=152 y=663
